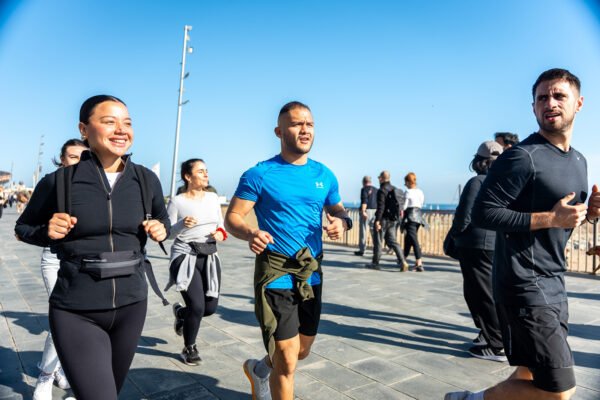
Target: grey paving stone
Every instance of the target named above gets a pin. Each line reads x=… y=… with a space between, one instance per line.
x=377 y=391
x=383 y=371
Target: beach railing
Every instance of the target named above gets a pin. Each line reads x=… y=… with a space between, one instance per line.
x=432 y=238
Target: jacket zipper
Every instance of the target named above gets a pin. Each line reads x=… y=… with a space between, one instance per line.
x=110 y=226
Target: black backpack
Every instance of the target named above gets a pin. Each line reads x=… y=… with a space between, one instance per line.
x=64 y=176
x=394 y=204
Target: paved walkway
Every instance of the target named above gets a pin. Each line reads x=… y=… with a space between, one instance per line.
x=383 y=335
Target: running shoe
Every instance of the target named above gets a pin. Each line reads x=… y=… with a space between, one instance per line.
x=190 y=355
x=358 y=253
x=480 y=340
x=404 y=267
x=178 y=324
x=61 y=379
x=488 y=353
x=43 y=387
x=457 y=396
x=419 y=268
x=260 y=386
x=373 y=266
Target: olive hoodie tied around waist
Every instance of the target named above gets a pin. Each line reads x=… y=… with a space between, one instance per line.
x=270 y=266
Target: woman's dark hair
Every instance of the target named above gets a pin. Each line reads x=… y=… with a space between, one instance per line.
x=481 y=165
x=186 y=169
x=63 y=150
x=87 y=108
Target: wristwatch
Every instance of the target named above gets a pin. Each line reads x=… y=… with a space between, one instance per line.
x=348 y=221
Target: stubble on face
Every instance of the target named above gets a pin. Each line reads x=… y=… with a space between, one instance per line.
x=297 y=131
x=555 y=105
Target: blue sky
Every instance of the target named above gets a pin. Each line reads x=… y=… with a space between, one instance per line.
x=397 y=85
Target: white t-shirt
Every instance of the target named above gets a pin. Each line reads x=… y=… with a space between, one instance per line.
x=414 y=198
x=112 y=177
x=206 y=211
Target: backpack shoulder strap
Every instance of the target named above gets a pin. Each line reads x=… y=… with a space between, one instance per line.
x=64 y=176
x=146 y=190
x=140 y=172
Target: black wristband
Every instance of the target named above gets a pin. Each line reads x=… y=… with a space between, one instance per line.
x=348 y=223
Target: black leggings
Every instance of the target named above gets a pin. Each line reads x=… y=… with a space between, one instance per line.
x=197 y=304
x=96 y=348
x=411 y=239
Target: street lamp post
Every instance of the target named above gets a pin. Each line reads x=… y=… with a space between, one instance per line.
x=180 y=103
x=38 y=167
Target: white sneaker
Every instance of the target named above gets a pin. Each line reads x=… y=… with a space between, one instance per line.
x=61 y=379
x=260 y=386
x=43 y=387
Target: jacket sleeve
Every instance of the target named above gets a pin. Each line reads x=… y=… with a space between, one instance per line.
x=32 y=225
x=505 y=181
x=462 y=217
x=380 y=205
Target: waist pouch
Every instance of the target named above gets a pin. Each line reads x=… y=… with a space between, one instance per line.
x=111 y=264
x=207 y=248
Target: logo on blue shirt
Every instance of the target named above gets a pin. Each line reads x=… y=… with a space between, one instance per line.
x=319 y=185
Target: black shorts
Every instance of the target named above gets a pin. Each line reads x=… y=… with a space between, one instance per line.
x=294 y=315
x=536 y=337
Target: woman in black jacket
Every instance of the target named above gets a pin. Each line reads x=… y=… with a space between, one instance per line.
x=476 y=253
x=98 y=305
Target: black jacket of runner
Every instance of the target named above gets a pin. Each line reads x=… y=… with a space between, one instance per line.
x=108 y=220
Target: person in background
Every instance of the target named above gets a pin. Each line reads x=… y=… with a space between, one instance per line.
x=413 y=219
x=98 y=305
x=506 y=139
x=50 y=369
x=387 y=217
x=368 y=206
x=195 y=268
x=476 y=254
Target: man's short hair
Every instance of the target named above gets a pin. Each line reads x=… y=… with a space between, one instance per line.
x=366 y=179
x=557 y=73
x=292 y=105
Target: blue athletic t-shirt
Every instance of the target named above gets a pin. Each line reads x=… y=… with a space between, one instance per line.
x=289 y=201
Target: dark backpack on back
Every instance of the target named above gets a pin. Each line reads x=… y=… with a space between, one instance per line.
x=64 y=176
x=394 y=204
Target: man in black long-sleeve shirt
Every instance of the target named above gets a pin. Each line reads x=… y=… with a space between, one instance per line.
x=533 y=197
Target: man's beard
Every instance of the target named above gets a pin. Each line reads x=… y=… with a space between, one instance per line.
x=549 y=128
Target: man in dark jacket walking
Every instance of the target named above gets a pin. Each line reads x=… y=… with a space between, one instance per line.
x=386 y=223
x=368 y=205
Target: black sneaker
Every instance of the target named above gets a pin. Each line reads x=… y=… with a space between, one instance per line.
x=373 y=266
x=487 y=353
x=190 y=355
x=480 y=340
x=359 y=253
x=178 y=324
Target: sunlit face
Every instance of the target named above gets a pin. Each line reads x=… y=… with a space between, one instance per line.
x=198 y=179
x=108 y=130
x=72 y=155
x=296 y=131
x=555 y=104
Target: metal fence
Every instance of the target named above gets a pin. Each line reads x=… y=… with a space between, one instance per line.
x=432 y=238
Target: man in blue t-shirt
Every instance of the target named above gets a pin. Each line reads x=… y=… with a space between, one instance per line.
x=288 y=194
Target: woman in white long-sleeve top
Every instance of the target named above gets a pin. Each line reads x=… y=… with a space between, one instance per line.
x=195 y=270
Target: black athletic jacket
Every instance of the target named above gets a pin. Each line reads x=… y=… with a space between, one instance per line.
x=107 y=220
